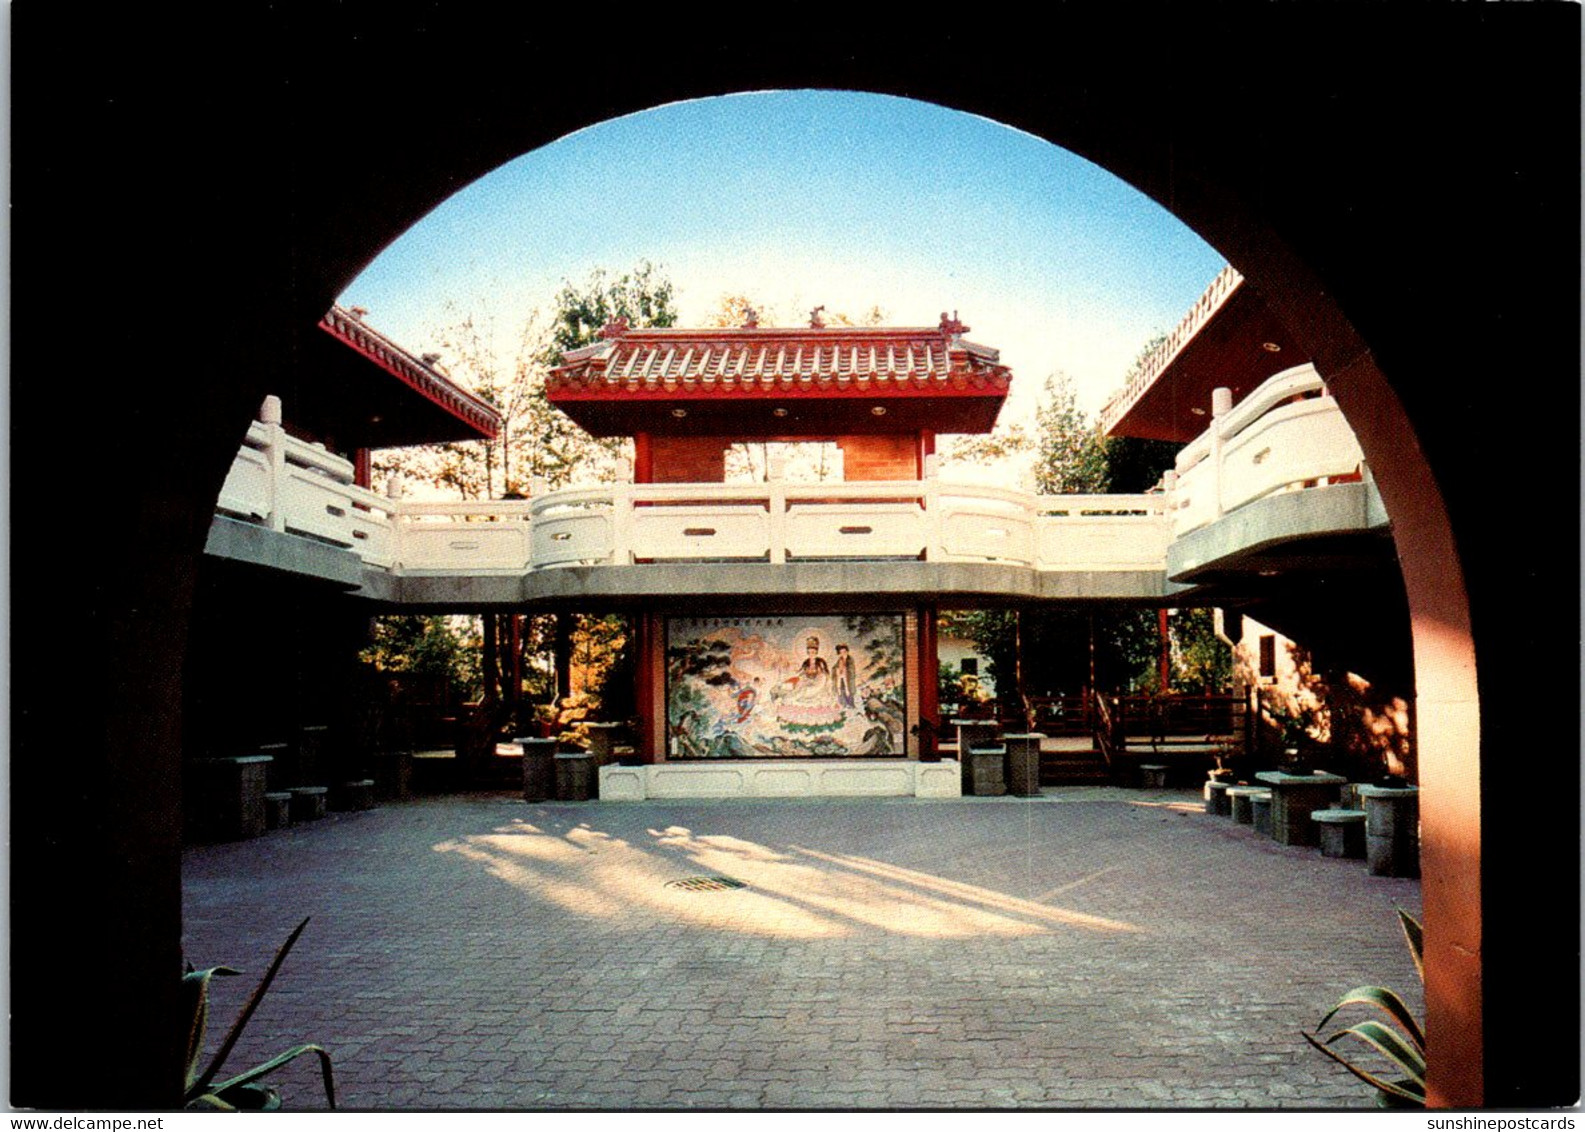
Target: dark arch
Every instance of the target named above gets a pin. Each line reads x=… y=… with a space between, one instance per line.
x=1382 y=169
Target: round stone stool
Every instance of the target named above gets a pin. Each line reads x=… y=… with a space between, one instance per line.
x=574 y=777
x=278 y=809
x=1342 y=832
x=1261 y=805
x=308 y=802
x=1240 y=798
x=1153 y=776
x=1216 y=798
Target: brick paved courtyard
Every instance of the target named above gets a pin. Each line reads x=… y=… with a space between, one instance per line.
x=1092 y=948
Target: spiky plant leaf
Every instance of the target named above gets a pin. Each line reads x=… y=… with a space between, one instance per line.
x=1391 y=1045
x=195 y=1003
x=252 y=1004
x=251 y=1098
x=246 y=1078
x=1414 y=935
x=209 y=1100
x=1405 y=1090
x=1385 y=1001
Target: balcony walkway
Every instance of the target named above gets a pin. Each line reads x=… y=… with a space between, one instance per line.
x=1094 y=948
x=1280 y=469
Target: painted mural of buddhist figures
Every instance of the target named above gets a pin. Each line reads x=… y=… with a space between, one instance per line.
x=813 y=687
x=845 y=677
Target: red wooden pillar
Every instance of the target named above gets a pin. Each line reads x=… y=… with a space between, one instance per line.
x=644 y=671
x=362 y=468
x=1164 y=657
x=929 y=670
x=927 y=448
x=643 y=459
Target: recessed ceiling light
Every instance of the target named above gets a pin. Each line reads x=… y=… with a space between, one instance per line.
x=1197 y=411
x=1271 y=347
x=679 y=413
x=778 y=412
x=879 y=410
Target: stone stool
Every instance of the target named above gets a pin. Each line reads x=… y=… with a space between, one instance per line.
x=1023 y=763
x=1240 y=799
x=987 y=764
x=308 y=802
x=574 y=777
x=1216 y=798
x=1392 y=830
x=1153 y=776
x=1342 y=832
x=1261 y=805
x=352 y=796
x=539 y=768
x=278 y=809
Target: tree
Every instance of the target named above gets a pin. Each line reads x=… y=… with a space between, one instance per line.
x=1070 y=455
x=641 y=297
x=536 y=442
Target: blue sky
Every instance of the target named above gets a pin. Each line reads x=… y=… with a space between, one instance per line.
x=802 y=198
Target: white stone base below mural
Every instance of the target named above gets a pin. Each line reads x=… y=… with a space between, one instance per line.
x=790 y=778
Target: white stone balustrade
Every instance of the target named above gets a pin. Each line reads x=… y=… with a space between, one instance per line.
x=1287 y=435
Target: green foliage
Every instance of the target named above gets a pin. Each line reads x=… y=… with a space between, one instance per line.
x=1202 y=661
x=1070 y=455
x=1403 y=1046
x=242 y=1091
x=439 y=648
x=643 y=297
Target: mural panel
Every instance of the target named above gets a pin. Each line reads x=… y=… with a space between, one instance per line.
x=823 y=686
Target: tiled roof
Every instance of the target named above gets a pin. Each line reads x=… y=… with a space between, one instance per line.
x=417 y=373
x=776 y=362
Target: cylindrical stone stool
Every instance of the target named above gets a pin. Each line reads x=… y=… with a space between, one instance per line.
x=1342 y=832
x=1260 y=804
x=1392 y=830
x=539 y=768
x=1239 y=798
x=1023 y=764
x=1216 y=798
x=308 y=802
x=574 y=777
x=353 y=796
x=278 y=809
x=987 y=765
x=1153 y=776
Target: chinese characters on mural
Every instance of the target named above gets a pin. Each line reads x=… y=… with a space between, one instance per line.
x=784 y=687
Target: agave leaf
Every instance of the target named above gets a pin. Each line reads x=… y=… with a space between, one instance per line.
x=247 y=1010
x=1407 y=1090
x=195 y=1000
x=247 y=1077
x=209 y=1100
x=1414 y=935
x=251 y=1098
x=1385 y=1001
x=1391 y=1044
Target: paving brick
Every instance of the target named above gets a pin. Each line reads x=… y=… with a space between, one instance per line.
x=1072 y=951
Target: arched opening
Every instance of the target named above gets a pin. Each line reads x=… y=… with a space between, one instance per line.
x=1273 y=210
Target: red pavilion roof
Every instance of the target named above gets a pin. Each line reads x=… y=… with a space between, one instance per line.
x=782 y=381
x=452 y=412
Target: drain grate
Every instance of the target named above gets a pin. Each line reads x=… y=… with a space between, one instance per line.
x=707 y=884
